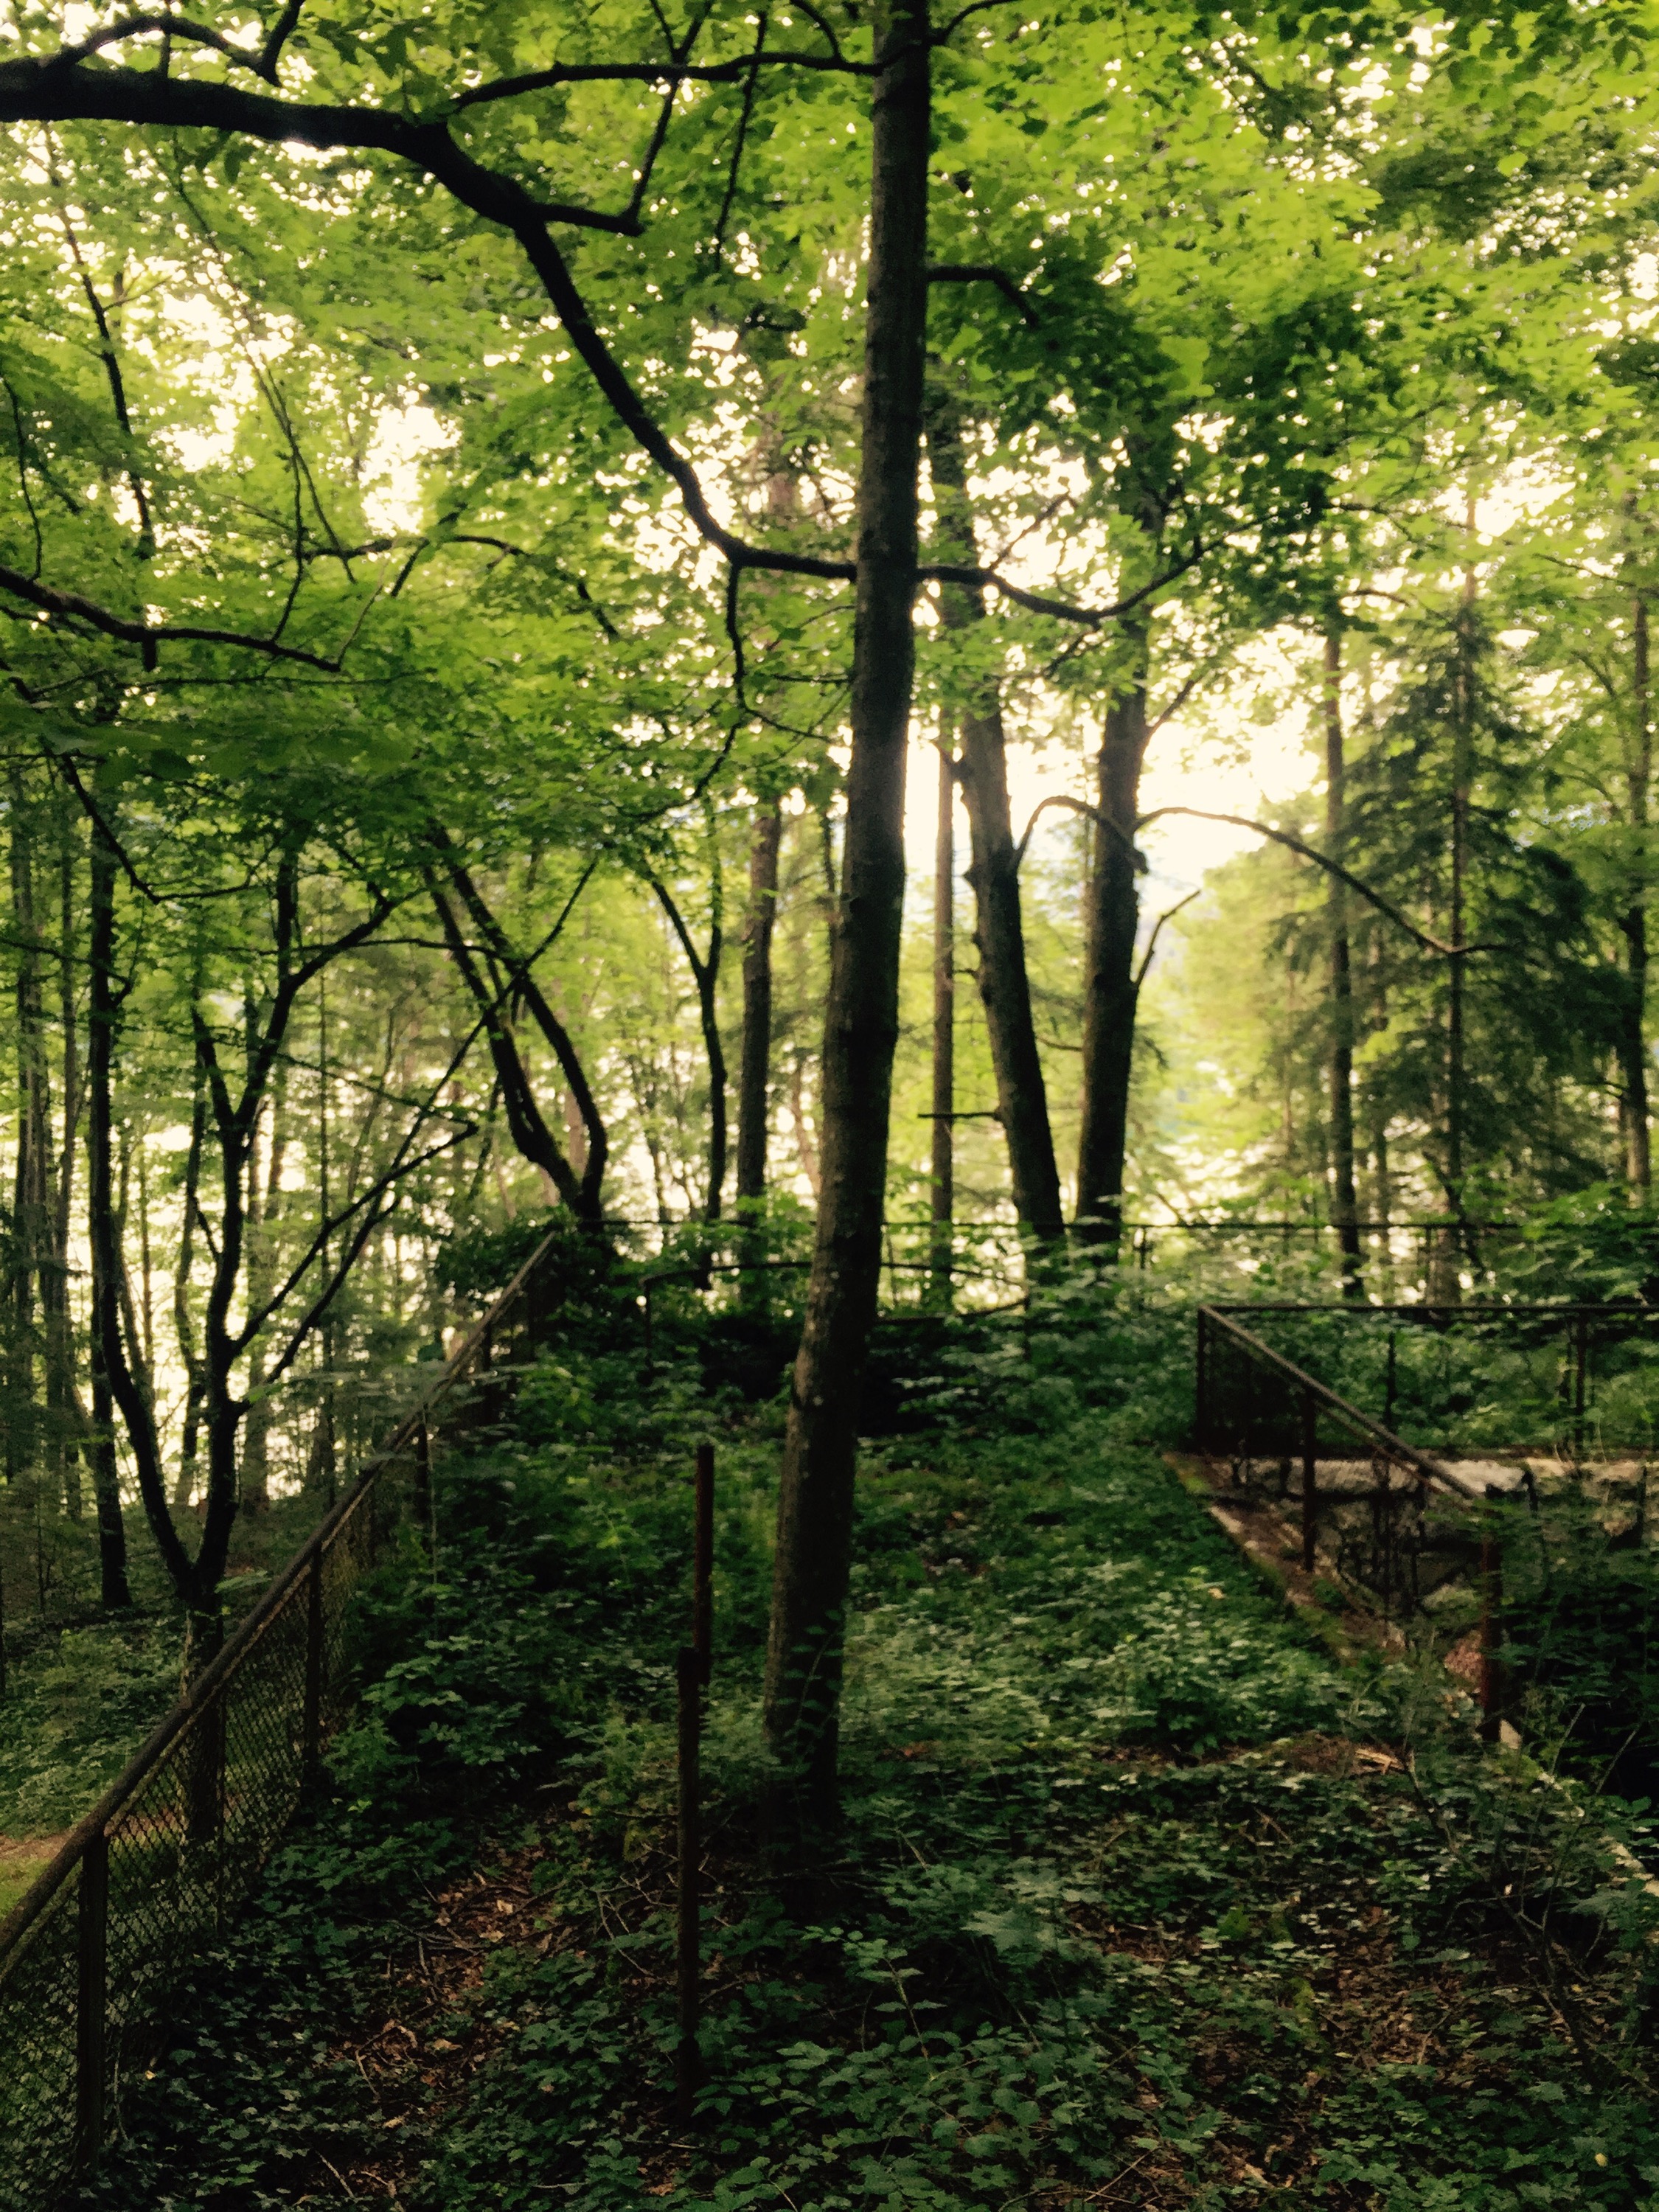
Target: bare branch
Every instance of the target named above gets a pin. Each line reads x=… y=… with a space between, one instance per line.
x=627 y=225
x=744 y=115
x=1331 y=867
x=670 y=73
x=1169 y=915
x=1093 y=814
x=369 y=1199
x=281 y=31
x=169 y=26
x=949 y=572
x=148 y=636
x=972 y=272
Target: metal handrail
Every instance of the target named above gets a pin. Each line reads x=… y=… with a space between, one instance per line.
x=1427 y=1468
x=1470 y=1308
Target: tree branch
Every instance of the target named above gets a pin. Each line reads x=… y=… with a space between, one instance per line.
x=972 y=579
x=170 y=27
x=401 y=1166
x=672 y=73
x=974 y=273
x=51 y=89
x=1169 y=915
x=148 y=636
x=1093 y=814
x=1331 y=867
x=281 y=31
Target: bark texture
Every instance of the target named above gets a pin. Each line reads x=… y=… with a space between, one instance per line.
x=1445 y=1266
x=1634 y=923
x=1345 y=1208
x=944 y=1029
x=815 y=1496
x=993 y=867
x=1110 y=990
x=755 y=1056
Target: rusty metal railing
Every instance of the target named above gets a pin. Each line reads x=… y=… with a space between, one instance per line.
x=89 y=1957
x=1366 y=1500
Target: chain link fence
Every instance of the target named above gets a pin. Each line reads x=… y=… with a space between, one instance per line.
x=92 y=1954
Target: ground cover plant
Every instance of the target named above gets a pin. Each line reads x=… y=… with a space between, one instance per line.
x=1141 y=1896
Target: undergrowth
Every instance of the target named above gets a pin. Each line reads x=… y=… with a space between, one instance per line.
x=1138 y=1898
x=77 y=1701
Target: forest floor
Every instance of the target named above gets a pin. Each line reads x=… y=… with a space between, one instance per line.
x=1142 y=1897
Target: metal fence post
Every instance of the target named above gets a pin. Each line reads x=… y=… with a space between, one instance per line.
x=1491 y=1636
x=1390 y=1387
x=92 y=1997
x=424 y=1521
x=1309 y=1478
x=1581 y=1352
x=310 y=1725
x=688 y=2057
x=1201 y=1393
x=702 y=1562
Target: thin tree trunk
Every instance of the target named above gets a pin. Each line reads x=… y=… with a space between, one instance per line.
x=1110 y=992
x=993 y=868
x=31 y=1197
x=183 y=1323
x=755 y=1056
x=1382 y=1202
x=1633 y=925
x=815 y=1494
x=322 y=1460
x=63 y=1402
x=1345 y=1209
x=945 y=1028
x=263 y=1205
x=1448 y=1287
x=112 y=1379
x=705 y=977
x=806 y=1143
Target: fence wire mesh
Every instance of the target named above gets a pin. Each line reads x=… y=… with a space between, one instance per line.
x=91 y=1957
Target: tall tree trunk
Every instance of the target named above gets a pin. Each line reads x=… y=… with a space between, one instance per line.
x=706 y=978
x=112 y=1379
x=1382 y=1200
x=1345 y=1209
x=755 y=1056
x=1633 y=925
x=1110 y=991
x=263 y=1207
x=31 y=1194
x=183 y=1321
x=62 y=1400
x=993 y=868
x=945 y=1028
x=1448 y=1287
x=815 y=1494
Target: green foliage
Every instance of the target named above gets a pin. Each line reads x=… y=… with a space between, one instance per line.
x=78 y=1703
x=1124 y=1891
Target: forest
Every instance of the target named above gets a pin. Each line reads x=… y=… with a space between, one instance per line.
x=829 y=824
